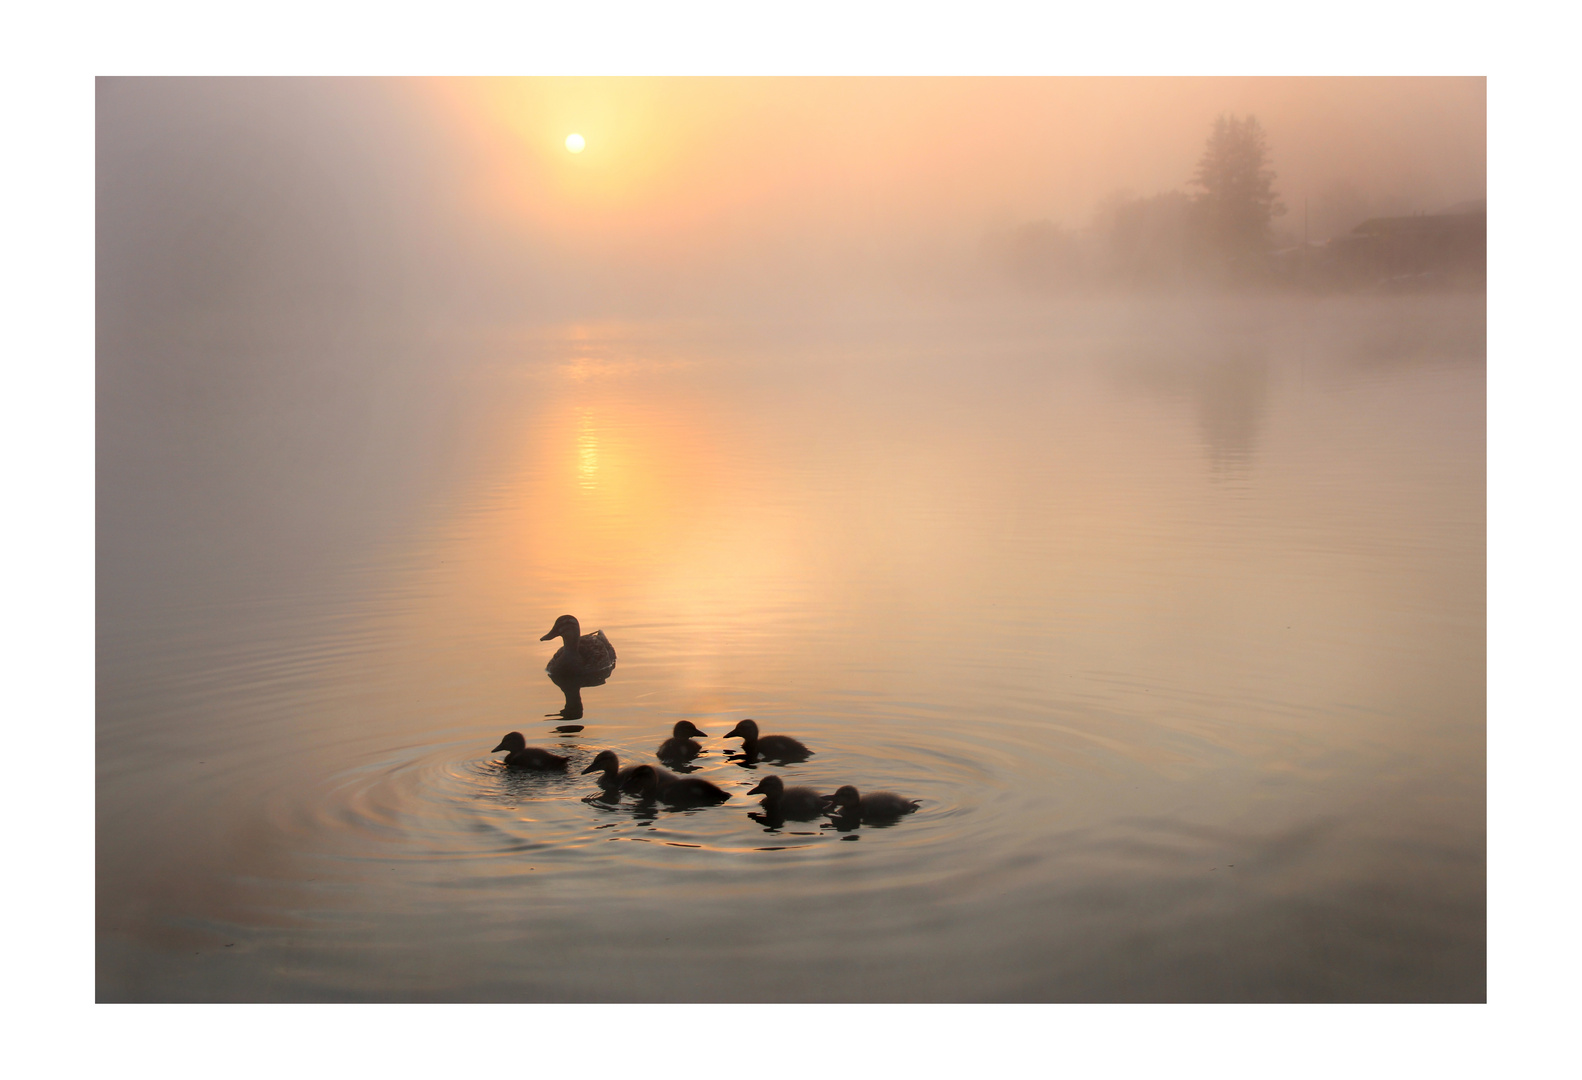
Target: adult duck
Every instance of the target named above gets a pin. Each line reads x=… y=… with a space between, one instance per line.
x=649 y=784
x=583 y=656
x=796 y=803
x=681 y=747
x=770 y=747
x=522 y=756
x=876 y=808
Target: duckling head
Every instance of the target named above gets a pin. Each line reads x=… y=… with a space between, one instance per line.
x=684 y=729
x=845 y=797
x=512 y=741
x=566 y=627
x=605 y=759
x=746 y=729
x=770 y=786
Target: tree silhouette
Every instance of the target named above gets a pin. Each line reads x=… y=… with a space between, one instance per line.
x=1238 y=197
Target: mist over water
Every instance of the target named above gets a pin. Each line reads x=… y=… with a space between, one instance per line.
x=1168 y=604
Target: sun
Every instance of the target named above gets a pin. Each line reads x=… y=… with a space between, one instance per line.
x=575 y=143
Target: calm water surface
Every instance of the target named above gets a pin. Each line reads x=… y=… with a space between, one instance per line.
x=1172 y=616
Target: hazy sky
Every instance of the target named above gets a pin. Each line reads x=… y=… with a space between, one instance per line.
x=690 y=193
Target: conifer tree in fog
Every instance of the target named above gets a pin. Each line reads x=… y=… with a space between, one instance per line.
x=1238 y=198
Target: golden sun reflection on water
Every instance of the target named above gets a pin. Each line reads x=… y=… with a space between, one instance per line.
x=587 y=452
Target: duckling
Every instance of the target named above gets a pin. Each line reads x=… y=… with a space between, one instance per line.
x=680 y=746
x=796 y=803
x=880 y=806
x=612 y=777
x=523 y=756
x=649 y=783
x=772 y=747
x=582 y=654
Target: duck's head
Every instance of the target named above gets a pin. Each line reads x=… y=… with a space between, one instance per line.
x=512 y=741
x=566 y=627
x=684 y=729
x=771 y=785
x=746 y=729
x=845 y=797
x=605 y=760
x=641 y=781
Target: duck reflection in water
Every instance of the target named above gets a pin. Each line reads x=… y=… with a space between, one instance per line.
x=682 y=746
x=652 y=784
x=849 y=809
x=583 y=660
x=776 y=748
x=522 y=756
x=781 y=803
x=572 y=686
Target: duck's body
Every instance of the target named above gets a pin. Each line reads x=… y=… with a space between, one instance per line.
x=795 y=803
x=680 y=747
x=611 y=776
x=650 y=783
x=771 y=747
x=582 y=655
x=523 y=756
x=878 y=806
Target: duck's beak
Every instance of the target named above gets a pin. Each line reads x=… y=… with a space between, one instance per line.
x=591 y=768
x=702 y=734
x=497 y=749
x=759 y=790
x=549 y=635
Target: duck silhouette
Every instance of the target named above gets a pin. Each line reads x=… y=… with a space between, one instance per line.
x=584 y=659
x=523 y=756
x=611 y=776
x=680 y=747
x=653 y=784
x=796 y=803
x=769 y=747
x=847 y=805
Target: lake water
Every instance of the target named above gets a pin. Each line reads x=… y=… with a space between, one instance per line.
x=1171 y=614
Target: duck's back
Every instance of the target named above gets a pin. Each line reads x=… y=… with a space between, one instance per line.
x=531 y=757
x=780 y=746
x=597 y=647
x=885 y=804
x=594 y=654
x=800 y=803
x=678 y=750
x=691 y=791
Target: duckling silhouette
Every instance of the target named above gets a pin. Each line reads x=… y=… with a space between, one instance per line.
x=880 y=807
x=680 y=747
x=796 y=803
x=769 y=747
x=583 y=657
x=649 y=784
x=523 y=756
x=611 y=776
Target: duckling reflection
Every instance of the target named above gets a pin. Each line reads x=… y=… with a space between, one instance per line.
x=583 y=656
x=848 y=808
x=681 y=747
x=651 y=784
x=777 y=748
x=523 y=756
